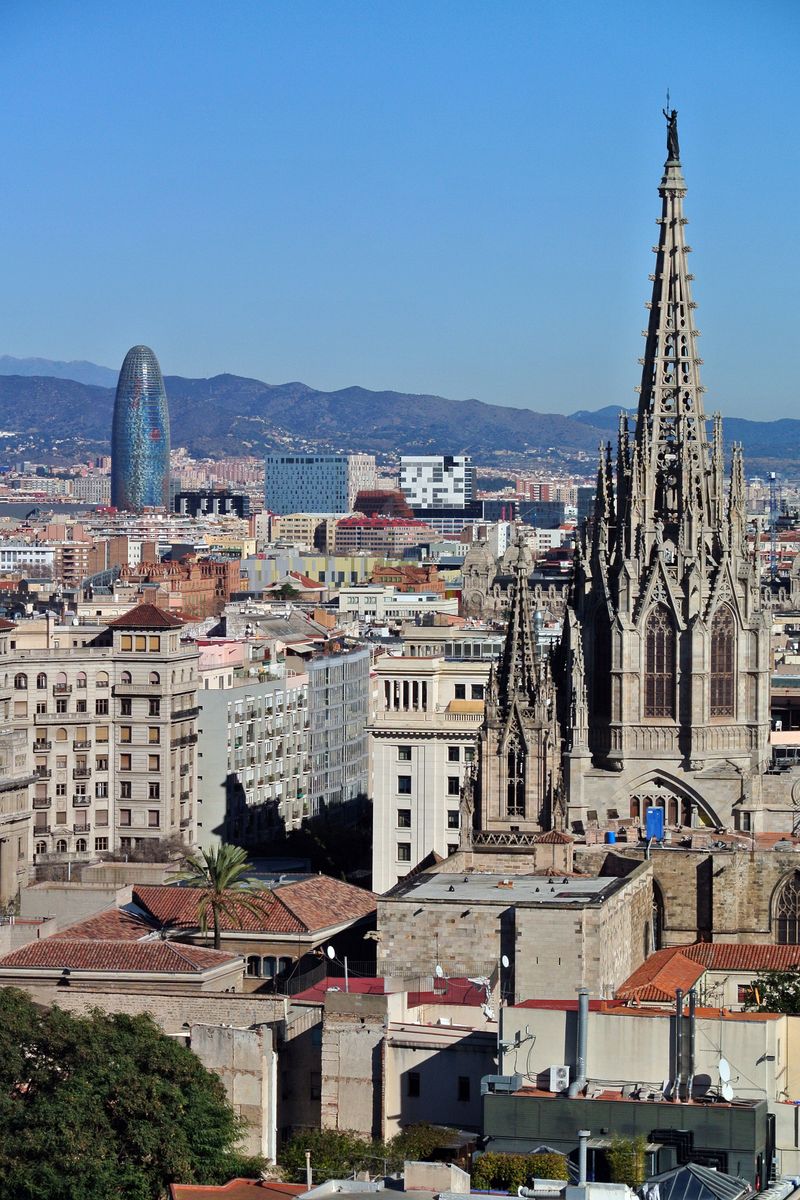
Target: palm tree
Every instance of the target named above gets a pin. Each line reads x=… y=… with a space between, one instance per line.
x=221 y=877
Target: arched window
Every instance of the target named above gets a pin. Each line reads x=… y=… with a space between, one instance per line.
x=601 y=669
x=41 y=681
x=20 y=682
x=126 y=678
x=81 y=680
x=786 y=917
x=80 y=845
x=61 y=735
x=41 y=847
x=659 y=669
x=61 y=679
x=723 y=674
x=268 y=967
x=61 y=846
x=155 y=677
x=516 y=780
x=101 y=679
x=284 y=965
x=253 y=967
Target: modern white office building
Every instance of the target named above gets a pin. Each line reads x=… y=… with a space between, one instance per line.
x=437 y=480
x=316 y=483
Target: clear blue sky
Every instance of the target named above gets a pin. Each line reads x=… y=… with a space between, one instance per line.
x=450 y=197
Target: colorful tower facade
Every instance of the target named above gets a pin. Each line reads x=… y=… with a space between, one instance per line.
x=140 y=435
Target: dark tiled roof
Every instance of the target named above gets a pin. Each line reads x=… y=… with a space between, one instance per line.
x=83 y=955
x=111 y=925
x=306 y=906
x=146 y=616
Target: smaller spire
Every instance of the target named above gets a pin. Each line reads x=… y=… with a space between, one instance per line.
x=517 y=676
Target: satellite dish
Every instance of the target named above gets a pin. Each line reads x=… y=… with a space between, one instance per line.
x=664 y=1087
x=727 y=1092
x=438 y=972
x=331 y=953
x=724 y=1068
x=504 y=963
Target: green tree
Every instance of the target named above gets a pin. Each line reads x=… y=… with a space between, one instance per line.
x=221 y=877
x=495 y=1171
x=335 y=1154
x=104 y=1107
x=775 y=992
x=626 y=1160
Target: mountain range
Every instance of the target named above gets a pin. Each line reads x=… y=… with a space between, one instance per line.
x=45 y=410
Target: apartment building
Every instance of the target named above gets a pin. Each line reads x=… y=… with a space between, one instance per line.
x=339 y=688
x=437 y=480
x=110 y=718
x=422 y=741
x=15 y=777
x=322 y=483
x=379 y=604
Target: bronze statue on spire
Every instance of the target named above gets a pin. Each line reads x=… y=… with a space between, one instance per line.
x=673 y=149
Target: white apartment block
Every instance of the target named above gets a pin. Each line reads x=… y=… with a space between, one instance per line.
x=94 y=489
x=377 y=604
x=18 y=556
x=437 y=480
x=110 y=717
x=422 y=741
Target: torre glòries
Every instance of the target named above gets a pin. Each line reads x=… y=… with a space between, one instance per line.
x=664 y=696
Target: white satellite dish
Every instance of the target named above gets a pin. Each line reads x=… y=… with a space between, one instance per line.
x=664 y=1086
x=504 y=963
x=724 y=1068
x=438 y=972
x=727 y=1092
x=331 y=953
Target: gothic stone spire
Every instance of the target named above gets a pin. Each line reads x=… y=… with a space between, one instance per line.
x=517 y=675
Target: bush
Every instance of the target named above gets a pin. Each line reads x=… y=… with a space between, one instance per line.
x=507 y=1172
x=626 y=1160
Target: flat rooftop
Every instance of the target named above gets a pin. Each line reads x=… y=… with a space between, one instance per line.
x=551 y=890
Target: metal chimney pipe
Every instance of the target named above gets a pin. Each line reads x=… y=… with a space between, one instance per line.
x=676 y=1086
x=579 y=1083
x=692 y=1034
x=583 y=1138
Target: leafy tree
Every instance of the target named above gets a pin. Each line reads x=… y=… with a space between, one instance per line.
x=104 y=1107
x=626 y=1160
x=775 y=992
x=336 y=1153
x=223 y=885
x=494 y=1171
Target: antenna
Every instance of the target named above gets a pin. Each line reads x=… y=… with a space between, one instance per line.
x=727 y=1092
x=667 y=99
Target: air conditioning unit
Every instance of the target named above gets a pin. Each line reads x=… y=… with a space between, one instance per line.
x=559 y=1078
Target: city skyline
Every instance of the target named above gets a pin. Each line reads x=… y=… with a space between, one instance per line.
x=279 y=212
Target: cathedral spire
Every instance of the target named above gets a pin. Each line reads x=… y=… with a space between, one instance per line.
x=517 y=676
x=670 y=427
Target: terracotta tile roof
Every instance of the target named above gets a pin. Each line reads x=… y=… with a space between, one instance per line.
x=110 y=925
x=553 y=837
x=659 y=976
x=84 y=955
x=743 y=956
x=6 y=625
x=146 y=616
x=305 y=906
x=236 y=1189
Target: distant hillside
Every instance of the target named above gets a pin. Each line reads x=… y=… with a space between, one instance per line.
x=81 y=372
x=233 y=415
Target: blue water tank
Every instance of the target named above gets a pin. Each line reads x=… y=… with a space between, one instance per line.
x=611 y=837
x=654 y=824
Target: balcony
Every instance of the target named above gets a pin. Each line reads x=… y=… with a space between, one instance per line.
x=43 y=772
x=137 y=689
x=185 y=714
x=61 y=689
x=81 y=828
x=189 y=739
x=184 y=769
x=185 y=796
x=82 y=773
x=81 y=745
x=40 y=747
x=42 y=802
x=82 y=801
x=185 y=822
x=41 y=830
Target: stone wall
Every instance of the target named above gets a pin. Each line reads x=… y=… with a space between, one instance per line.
x=172 y=1013
x=246 y=1062
x=352 y=1077
x=418 y=934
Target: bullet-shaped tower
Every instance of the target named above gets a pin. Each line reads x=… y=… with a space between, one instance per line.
x=140 y=435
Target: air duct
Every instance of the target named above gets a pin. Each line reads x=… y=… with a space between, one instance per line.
x=678 y=1065
x=583 y=1138
x=579 y=1082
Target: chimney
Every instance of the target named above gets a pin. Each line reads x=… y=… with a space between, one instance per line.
x=579 y=1082
x=583 y=1138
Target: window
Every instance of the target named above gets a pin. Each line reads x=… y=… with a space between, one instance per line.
x=723 y=675
x=154 y=678
x=125 y=789
x=452 y=818
x=268 y=967
x=153 y=818
x=403 y=852
x=476 y=691
x=126 y=843
x=101 y=708
x=453 y=785
x=80 y=845
x=404 y=753
x=125 y=706
x=155 y=644
x=81 y=680
x=61 y=705
x=744 y=993
x=787 y=912
x=61 y=789
x=101 y=733
x=659 y=671
x=41 y=682
x=154 y=791
x=124 y=816
x=125 y=733
x=101 y=791
x=452 y=848
x=126 y=678
x=404 y=785
x=126 y=642
x=140 y=642
x=41 y=847
x=80 y=706
x=412 y=1084
x=124 y=762
x=101 y=817
x=404 y=818
x=101 y=843
x=61 y=846
x=61 y=816
x=101 y=763
x=154 y=762
x=154 y=708
x=463 y=1088
x=469 y=754
x=153 y=734
x=461 y=691
x=253 y=966
x=516 y=780
x=454 y=754
x=20 y=682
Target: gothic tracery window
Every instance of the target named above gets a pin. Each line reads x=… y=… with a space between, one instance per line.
x=723 y=677
x=516 y=780
x=659 y=672
x=601 y=672
x=786 y=916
